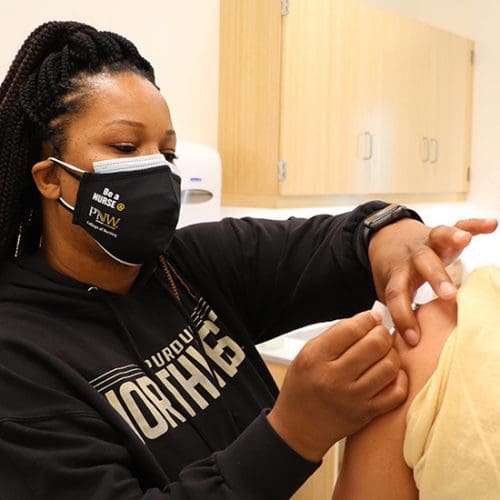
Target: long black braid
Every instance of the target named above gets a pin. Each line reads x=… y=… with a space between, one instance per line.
x=44 y=87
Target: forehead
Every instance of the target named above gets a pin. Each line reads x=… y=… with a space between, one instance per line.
x=124 y=96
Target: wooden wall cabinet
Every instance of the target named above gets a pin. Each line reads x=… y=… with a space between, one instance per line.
x=325 y=98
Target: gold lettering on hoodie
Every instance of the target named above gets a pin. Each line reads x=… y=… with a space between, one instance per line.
x=184 y=382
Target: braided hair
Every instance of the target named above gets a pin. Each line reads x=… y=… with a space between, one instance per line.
x=45 y=86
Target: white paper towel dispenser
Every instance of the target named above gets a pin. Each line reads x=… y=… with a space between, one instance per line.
x=200 y=169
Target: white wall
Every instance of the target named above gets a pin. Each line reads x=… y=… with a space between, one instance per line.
x=478 y=20
x=179 y=37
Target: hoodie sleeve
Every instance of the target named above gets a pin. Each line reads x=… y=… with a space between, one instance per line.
x=280 y=275
x=57 y=457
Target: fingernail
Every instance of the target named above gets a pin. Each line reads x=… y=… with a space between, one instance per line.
x=376 y=315
x=411 y=337
x=460 y=235
x=446 y=289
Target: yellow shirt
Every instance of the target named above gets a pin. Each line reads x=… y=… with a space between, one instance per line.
x=452 y=439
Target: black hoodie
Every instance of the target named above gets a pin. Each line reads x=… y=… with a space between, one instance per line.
x=106 y=396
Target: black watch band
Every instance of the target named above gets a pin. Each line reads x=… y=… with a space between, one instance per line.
x=384 y=217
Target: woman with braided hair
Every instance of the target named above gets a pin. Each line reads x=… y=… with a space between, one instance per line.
x=128 y=366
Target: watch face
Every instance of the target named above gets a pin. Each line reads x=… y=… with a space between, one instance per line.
x=385 y=216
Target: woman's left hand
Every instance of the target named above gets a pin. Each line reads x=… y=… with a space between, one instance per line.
x=406 y=254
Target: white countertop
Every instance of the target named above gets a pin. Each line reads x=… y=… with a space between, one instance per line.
x=284 y=348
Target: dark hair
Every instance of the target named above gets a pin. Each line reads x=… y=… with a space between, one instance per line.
x=48 y=79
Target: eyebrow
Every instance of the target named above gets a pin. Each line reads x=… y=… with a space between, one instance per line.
x=132 y=123
x=125 y=122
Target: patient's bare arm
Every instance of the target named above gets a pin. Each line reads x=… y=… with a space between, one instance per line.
x=373 y=466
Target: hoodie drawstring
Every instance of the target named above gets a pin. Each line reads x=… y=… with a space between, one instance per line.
x=172 y=291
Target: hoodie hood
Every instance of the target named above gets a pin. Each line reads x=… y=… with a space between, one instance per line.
x=28 y=283
x=28 y=277
x=30 y=280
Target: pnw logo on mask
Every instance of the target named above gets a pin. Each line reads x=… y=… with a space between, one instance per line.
x=104 y=219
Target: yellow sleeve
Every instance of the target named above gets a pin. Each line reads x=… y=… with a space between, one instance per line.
x=452 y=439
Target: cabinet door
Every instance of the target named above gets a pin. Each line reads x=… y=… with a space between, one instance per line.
x=313 y=108
x=355 y=80
x=249 y=87
x=388 y=88
x=449 y=115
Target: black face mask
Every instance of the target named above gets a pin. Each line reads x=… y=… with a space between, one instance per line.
x=130 y=206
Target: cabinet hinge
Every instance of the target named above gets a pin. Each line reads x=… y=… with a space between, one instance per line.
x=468 y=174
x=285 y=7
x=281 y=171
x=472 y=56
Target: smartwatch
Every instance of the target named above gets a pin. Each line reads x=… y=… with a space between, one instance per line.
x=384 y=217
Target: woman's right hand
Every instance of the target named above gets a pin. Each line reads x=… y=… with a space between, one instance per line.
x=338 y=383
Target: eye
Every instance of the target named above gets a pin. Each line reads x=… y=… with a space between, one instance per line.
x=169 y=156
x=124 y=148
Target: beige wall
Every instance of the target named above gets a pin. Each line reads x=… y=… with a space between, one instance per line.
x=478 y=20
x=179 y=37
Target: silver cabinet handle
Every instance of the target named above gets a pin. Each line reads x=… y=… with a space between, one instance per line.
x=366 y=149
x=435 y=150
x=425 y=149
x=370 y=145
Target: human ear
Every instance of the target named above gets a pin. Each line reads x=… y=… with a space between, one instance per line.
x=47 y=179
